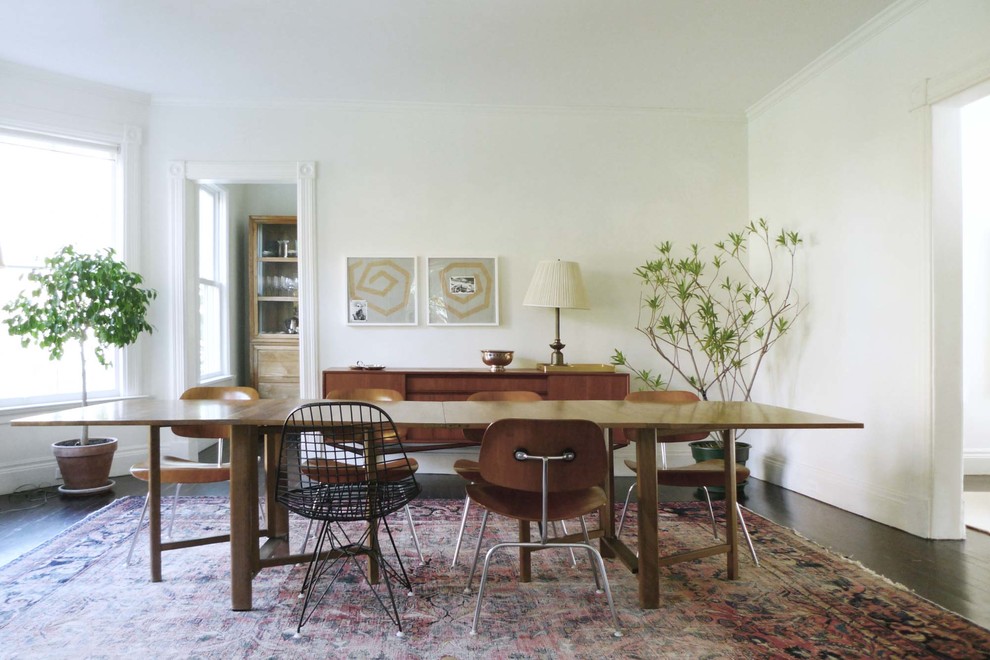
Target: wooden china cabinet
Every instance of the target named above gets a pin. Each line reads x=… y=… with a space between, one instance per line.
x=273 y=303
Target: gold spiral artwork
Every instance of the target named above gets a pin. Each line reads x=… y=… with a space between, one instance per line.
x=463 y=291
x=385 y=283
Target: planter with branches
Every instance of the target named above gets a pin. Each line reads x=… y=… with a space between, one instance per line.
x=712 y=318
x=88 y=299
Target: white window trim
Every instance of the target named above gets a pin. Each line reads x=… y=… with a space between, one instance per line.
x=128 y=140
x=221 y=243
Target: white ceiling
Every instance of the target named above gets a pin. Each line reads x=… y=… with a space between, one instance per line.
x=715 y=55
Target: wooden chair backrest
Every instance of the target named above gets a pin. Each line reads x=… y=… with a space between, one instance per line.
x=543 y=437
x=211 y=431
x=665 y=396
x=365 y=394
x=475 y=435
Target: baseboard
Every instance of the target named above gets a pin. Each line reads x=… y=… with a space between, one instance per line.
x=976 y=461
x=896 y=509
x=34 y=474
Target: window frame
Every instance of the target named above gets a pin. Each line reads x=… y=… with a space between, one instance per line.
x=125 y=141
x=221 y=250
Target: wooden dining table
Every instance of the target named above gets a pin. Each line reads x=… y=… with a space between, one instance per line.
x=261 y=421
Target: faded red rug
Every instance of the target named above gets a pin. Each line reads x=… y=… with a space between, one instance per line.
x=75 y=597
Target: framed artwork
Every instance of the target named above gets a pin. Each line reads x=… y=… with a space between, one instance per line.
x=463 y=290
x=381 y=291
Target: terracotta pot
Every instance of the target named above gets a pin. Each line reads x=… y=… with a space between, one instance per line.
x=85 y=468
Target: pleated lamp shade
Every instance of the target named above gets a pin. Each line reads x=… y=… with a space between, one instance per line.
x=557 y=284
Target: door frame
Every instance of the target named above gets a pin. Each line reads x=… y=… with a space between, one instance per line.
x=182 y=177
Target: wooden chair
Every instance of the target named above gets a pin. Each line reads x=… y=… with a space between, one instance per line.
x=340 y=462
x=699 y=475
x=468 y=469
x=382 y=395
x=537 y=470
x=179 y=471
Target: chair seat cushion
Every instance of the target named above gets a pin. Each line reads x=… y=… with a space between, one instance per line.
x=523 y=505
x=467 y=469
x=177 y=470
x=703 y=474
x=337 y=472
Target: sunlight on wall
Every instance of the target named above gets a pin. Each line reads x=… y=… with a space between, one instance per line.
x=975 y=138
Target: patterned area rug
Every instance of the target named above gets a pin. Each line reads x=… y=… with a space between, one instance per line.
x=75 y=597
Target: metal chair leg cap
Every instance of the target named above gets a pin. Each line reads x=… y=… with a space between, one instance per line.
x=400 y=634
x=467 y=592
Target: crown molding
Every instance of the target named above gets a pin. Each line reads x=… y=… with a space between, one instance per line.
x=79 y=84
x=835 y=54
x=410 y=106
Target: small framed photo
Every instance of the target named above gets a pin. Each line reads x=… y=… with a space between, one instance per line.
x=381 y=291
x=463 y=290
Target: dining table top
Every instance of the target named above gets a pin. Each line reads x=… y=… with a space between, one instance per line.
x=679 y=417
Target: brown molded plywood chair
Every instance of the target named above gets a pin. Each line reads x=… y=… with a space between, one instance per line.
x=468 y=469
x=381 y=395
x=178 y=471
x=538 y=470
x=699 y=475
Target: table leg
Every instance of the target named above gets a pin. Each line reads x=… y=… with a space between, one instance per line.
x=646 y=486
x=731 y=514
x=244 y=556
x=155 y=501
x=525 y=555
x=606 y=514
x=276 y=514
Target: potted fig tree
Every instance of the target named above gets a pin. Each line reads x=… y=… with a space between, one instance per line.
x=712 y=319
x=87 y=299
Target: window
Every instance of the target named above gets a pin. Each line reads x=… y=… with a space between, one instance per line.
x=53 y=192
x=214 y=347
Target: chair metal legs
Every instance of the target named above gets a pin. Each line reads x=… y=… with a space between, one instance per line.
x=597 y=568
x=711 y=511
x=144 y=512
x=460 y=532
x=464 y=516
x=337 y=550
x=409 y=519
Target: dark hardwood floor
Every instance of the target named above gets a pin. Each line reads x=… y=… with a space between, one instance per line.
x=953 y=574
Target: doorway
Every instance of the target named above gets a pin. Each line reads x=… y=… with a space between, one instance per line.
x=975 y=211
x=184 y=178
x=951 y=397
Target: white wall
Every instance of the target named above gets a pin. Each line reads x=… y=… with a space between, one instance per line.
x=599 y=187
x=845 y=157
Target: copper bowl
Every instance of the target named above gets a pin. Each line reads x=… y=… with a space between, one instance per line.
x=497 y=360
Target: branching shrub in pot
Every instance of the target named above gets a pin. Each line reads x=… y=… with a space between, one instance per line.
x=79 y=297
x=712 y=318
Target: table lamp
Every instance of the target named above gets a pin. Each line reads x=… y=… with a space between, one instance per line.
x=557 y=284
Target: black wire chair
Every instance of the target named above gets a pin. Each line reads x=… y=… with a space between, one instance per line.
x=340 y=464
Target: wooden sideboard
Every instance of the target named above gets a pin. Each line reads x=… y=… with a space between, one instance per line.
x=458 y=384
